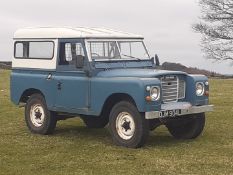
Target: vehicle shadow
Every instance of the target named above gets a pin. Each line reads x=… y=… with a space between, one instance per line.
x=81 y=133
x=155 y=139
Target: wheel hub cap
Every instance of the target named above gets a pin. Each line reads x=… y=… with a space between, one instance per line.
x=125 y=125
x=37 y=115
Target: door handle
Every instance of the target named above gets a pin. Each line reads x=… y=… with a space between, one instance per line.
x=59 y=85
x=49 y=77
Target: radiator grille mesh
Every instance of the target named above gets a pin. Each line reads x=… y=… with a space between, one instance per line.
x=172 y=89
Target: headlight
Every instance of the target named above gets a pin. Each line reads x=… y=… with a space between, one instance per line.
x=200 y=89
x=155 y=93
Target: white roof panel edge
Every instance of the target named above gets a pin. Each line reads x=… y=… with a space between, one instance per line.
x=69 y=32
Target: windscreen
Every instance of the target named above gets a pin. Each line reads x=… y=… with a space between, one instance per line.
x=132 y=49
x=110 y=50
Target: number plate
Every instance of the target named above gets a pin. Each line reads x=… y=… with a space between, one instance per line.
x=169 y=113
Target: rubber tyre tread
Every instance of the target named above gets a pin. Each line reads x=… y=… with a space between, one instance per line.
x=141 y=125
x=190 y=128
x=50 y=119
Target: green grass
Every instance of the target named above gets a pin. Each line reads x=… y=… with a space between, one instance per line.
x=74 y=149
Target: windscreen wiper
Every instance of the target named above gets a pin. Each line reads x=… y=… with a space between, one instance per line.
x=132 y=57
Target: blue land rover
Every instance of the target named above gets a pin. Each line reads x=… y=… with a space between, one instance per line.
x=105 y=77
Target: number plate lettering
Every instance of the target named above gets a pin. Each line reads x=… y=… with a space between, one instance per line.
x=170 y=113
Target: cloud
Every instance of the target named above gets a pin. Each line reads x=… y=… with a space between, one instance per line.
x=166 y=24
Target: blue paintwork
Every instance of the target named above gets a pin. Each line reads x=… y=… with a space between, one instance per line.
x=86 y=95
x=83 y=93
x=75 y=96
x=103 y=87
x=191 y=93
x=123 y=64
x=143 y=73
x=22 y=80
x=72 y=95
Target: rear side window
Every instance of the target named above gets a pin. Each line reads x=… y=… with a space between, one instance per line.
x=19 y=50
x=34 y=50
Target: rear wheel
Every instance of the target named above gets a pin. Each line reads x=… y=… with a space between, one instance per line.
x=128 y=127
x=188 y=128
x=37 y=116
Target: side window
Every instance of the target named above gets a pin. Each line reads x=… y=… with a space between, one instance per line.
x=68 y=53
x=34 y=50
x=41 y=50
x=21 y=49
x=79 y=49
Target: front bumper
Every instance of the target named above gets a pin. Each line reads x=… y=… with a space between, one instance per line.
x=177 y=109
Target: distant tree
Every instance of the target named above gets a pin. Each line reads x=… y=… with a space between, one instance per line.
x=212 y=74
x=216 y=27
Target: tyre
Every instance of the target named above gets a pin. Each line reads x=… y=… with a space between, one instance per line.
x=128 y=127
x=38 y=118
x=95 y=122
x=188 y=128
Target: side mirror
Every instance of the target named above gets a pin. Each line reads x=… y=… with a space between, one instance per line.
x=79 y=61
x=156 y=60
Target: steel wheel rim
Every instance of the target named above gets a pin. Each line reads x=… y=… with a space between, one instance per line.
x=37 y=115
x=125 y=125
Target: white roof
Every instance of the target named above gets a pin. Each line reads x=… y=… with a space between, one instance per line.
x=69 y=32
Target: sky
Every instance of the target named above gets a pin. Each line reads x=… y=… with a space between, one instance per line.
x=165 y=24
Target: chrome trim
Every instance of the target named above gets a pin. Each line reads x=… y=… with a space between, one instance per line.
x=184 y=111
x=179 y=89
x=172 y=93
x=159 y=92
x=171 y=89
x=203 y=89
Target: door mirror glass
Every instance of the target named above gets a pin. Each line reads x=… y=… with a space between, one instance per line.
x=156 y=60
x=157 y=63
x=79 y=61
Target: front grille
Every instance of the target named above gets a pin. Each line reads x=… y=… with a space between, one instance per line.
x=181 y=89
x=172 y=89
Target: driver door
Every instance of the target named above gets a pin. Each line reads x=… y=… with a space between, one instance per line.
x=72 y=83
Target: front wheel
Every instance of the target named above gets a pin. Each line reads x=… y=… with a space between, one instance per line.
x=128 y=127
x=38 y=118
x=189 y=127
